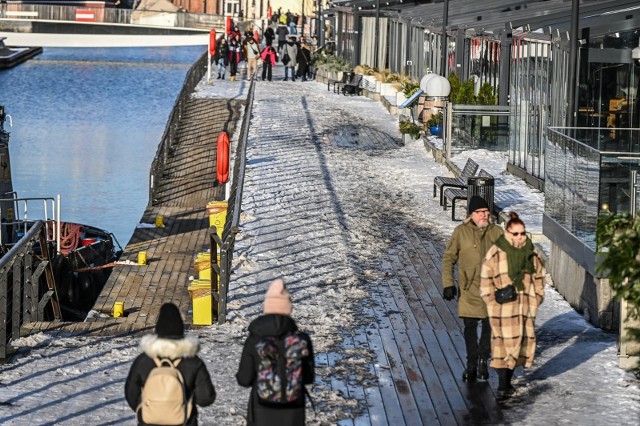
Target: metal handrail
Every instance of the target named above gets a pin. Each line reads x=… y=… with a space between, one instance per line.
x=232 y=222
x=193 y=77
x=44 y=12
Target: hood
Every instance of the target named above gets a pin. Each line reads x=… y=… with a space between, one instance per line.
x=291 y=43
x=154 y=346
x=272 y=325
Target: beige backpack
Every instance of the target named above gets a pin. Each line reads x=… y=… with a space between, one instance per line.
x=164 y=397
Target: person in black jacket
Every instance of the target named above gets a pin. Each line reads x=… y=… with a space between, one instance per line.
x=268 y=36
x=277 y=323
x=170 y=342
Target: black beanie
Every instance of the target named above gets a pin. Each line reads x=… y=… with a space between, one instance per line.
x=476 y=203
x=170 y=325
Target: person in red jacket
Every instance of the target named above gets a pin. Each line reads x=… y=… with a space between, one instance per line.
x=269 y=59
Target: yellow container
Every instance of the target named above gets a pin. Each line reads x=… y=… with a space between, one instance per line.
x=203 y=266
x=201 y=298
x=159 y=221
x=142 y=258
x=217 y=211
x=118 y=309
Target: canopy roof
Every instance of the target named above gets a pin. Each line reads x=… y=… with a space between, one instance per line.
x=602 y=16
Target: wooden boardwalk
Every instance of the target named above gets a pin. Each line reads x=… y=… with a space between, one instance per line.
x=419 y=348
x=184 y=191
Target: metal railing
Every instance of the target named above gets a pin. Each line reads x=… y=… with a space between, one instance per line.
x=475 y=126
x=226 y=244
x=194 y=75
x=21 y=269
x=88 y=14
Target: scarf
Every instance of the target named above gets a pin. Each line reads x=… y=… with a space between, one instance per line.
x=519 y=260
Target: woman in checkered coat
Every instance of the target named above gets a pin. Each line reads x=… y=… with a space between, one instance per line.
x=512 y=260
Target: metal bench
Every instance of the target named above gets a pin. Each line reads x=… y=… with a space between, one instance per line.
x=345 y=79
x=353 y=87
x=455 y=194
x=442 y=182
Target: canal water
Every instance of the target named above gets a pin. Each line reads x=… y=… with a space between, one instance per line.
x=86 y=125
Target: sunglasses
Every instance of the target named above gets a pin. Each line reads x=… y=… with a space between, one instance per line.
x=515 y=234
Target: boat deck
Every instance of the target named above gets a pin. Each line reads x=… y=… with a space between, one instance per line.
x=184 y=191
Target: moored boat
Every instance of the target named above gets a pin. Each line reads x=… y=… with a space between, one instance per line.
x=12 y=56
x=81 y=256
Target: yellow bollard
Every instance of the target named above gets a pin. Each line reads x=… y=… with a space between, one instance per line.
x=118 y=309
x=142 y=258
x=159 y=221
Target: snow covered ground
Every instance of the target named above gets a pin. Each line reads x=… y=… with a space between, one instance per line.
x=318 y=215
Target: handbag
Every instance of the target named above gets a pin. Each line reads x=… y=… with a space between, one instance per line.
x=506 y=294
x=286 y=59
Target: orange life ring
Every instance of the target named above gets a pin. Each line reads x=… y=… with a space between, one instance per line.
x=222 y=160
x=212 y=42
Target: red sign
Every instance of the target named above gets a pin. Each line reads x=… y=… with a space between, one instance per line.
x=85 y=15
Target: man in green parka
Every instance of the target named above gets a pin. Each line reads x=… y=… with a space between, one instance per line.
x=468 y=245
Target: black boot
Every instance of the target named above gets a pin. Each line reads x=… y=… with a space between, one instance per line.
x=505 y=390
x=470 y=373
x=483 y=369
x=219 y=76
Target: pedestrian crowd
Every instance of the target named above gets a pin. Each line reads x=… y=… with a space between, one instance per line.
x=500 y=287
x=292 y=51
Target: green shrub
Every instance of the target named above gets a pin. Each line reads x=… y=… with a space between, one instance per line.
x=435 y=120
x=486 y=95
x=411 y=128
x=409 y=88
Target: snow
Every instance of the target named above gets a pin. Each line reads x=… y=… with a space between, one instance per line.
x=320 y=216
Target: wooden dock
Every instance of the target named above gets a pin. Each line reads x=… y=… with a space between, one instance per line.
x=184 y=191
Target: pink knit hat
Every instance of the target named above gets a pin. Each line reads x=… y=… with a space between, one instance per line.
x=278 y=300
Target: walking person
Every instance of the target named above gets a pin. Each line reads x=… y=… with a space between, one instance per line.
x=151 y=388
x=274 y=344
x=512 y=266
x=288 y=54
x=253 y=53
x=282 y=32
x=269 y=60
x=304 y=61
x=222 y=57
x=268 y=36
x=466 y=248
x=235 y=56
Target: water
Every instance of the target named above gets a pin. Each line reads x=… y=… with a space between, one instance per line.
x=87 y=124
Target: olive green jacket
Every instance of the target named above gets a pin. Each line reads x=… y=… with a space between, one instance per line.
x=467 y=248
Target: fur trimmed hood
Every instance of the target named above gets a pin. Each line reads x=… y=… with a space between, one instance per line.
x=154 y=346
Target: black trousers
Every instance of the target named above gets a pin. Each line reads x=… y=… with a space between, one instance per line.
x=266 y=70
x=477 y=349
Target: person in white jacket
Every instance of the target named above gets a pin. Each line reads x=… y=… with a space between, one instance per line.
x=288 y=53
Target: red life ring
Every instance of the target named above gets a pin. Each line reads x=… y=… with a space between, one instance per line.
x=212 y=42
x=222 y=160
x=229 y=25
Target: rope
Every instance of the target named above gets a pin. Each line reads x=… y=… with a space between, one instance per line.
x=70 y=237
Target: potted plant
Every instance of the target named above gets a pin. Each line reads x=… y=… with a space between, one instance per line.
x=411 y=129
x=435 y=124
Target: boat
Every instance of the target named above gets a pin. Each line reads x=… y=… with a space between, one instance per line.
x=12 y=56
x=81 y=256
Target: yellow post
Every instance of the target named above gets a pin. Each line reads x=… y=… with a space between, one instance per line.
x=142 y=258
x=217 y=211
x=118 y=309
x=201 y=299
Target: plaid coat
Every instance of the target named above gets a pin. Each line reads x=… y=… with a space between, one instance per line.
x=513 y=339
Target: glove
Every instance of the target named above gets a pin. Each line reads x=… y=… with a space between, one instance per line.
x=449 y=293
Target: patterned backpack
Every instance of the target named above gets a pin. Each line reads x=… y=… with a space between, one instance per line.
x=279 y=379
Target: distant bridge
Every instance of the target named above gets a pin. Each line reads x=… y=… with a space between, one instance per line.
x=97 y=26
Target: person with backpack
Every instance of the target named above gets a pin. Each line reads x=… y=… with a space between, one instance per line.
x=277 y=362
x=168 y=380
x=269 y=58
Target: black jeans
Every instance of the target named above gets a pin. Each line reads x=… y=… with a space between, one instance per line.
x=477 y=349
x=266 y=70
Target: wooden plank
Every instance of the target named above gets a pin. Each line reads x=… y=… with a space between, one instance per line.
x=400 y=381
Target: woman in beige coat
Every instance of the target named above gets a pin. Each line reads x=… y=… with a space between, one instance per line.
x=512 y=261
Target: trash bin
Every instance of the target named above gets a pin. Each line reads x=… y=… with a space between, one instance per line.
x=217 y=211
x=482 y=186
x=200 y=291
x=202 y=265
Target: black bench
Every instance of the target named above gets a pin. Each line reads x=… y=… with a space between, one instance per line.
x=454 y=194
x=353 y=87
x=442 y=182
x=346 y=77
